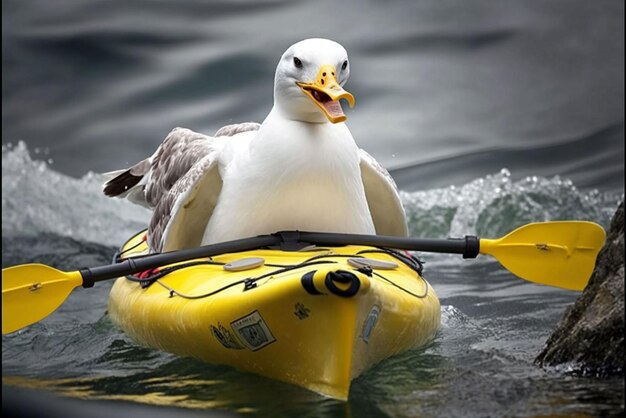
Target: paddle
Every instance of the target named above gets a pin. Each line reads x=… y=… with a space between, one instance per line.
x=560 y=254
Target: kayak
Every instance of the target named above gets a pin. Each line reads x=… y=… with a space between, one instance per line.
x=278 y=306
x=313 y=316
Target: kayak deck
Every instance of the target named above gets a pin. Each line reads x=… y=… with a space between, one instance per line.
x=316 y=318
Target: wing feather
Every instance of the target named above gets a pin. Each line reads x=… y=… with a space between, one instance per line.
x=181 y=216
x=181 y=182
x=382 y=198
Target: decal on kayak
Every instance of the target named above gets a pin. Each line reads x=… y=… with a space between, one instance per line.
x=370 y=323
x=253 y=331
x=302 y=312
x=225 y=337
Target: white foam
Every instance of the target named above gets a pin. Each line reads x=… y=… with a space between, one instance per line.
x=494 y=205
x=36 y=199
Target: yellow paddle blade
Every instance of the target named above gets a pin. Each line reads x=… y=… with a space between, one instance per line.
x=31 y=292
x=560 y=253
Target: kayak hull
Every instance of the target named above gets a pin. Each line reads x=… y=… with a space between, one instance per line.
x=310 y=318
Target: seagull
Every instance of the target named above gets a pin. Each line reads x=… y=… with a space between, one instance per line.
x=298 y=170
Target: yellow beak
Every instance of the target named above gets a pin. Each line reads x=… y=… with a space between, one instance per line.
x=326 y=92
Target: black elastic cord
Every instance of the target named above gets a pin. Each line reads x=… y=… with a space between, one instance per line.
x=412 y=262
x=246 y=281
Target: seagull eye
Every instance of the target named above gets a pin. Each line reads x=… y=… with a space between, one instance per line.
x=297 y=62
x=345 y=65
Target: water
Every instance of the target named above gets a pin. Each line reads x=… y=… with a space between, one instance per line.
x=489 y=114
x=445 y=91
x=480 y=364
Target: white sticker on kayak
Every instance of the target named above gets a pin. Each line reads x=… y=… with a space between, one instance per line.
x=253 y=331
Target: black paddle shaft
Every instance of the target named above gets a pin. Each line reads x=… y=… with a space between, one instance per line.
x=469 y=246
x=134 y=265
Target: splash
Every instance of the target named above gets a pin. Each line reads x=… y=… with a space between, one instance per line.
x=36 y=199
x=494 y=205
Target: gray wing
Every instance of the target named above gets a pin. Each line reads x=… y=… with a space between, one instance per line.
x=148 y=181
x=180 y=182
x=383 y=199
x=237 y=128
x=180 y=151
x=181 y=215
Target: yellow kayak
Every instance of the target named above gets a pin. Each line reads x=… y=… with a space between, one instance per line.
x=317 y=317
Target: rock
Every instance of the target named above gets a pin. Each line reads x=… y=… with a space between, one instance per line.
x=590 y=337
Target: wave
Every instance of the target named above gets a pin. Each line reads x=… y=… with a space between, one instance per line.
x=493 y=205
x=591 y=159
x=37 y=200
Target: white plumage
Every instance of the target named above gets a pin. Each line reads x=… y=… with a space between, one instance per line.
x=299 y=170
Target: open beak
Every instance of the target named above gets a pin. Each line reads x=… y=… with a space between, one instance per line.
x=326 y=92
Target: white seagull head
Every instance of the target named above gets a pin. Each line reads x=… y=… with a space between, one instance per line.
x=309 y=81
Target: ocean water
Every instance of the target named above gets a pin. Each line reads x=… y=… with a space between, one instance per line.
x=446 y=92
x=480 y=364
x=489 y=115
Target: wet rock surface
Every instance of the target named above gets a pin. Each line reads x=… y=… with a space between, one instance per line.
x=590 y=337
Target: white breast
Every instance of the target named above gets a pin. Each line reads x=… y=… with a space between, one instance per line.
x=292 y=175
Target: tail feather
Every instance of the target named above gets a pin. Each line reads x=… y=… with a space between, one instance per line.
x=112 y=174
x=121 y=184
x=129 y=183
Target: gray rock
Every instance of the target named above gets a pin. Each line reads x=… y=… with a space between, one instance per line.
x=590 y=337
